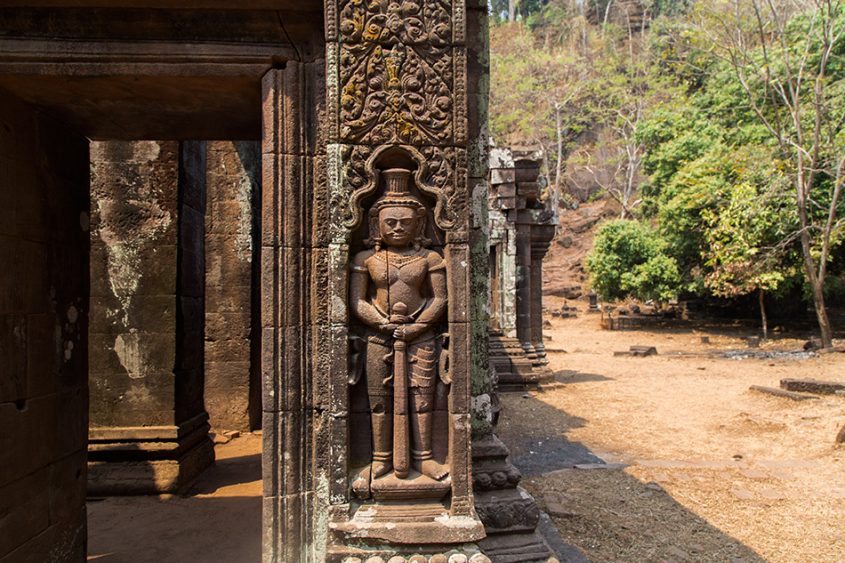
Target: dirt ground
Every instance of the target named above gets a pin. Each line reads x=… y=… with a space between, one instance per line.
x=220 y=522
x=707 y=469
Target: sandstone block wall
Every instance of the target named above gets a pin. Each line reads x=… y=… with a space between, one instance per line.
x=232 y=379
x=134 y=253
x=148 y=422
x=190 y=313
x=43 y=336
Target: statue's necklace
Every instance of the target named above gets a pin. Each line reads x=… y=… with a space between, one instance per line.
x=398 y=260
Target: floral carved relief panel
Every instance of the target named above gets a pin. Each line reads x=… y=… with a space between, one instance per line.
x=398 y=72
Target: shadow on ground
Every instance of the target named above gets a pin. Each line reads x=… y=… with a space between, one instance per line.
x=572 y=376
x=228 y=472
x=605 y=512
x=219 y=521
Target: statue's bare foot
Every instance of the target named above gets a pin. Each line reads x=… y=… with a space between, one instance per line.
x=431 y=468
x=381 y=468
x=361 y=484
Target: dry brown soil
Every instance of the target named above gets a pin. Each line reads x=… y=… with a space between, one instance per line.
x=711 y=470
x=220 y=522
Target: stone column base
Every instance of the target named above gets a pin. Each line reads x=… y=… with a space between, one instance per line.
x=148 y=460
x=510 y=515
x=515 y=370
x=466 y=553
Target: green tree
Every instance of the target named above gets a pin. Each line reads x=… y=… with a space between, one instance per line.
x=629 y=259
x=787 y=60
x=744 y=251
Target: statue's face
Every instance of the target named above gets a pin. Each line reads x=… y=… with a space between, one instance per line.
x=397 y=225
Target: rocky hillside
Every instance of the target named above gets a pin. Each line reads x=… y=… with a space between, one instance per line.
x=563 y=269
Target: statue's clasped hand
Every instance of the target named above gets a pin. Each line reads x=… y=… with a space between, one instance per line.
x=394 y=324
x=408 y=332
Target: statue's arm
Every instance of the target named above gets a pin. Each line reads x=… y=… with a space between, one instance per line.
x=359 y=280
x=437 y=279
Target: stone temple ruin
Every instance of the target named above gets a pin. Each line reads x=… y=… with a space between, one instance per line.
x=522 y=225
x=265 y=213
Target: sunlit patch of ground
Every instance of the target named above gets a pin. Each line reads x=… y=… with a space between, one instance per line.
x=709 y=471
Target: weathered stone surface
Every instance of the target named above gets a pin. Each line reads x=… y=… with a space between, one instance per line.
x=43 y=335
x=232 y=386
x=148 y=315
x=813 y=386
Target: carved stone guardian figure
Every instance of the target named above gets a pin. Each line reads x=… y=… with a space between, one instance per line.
x=398 y=291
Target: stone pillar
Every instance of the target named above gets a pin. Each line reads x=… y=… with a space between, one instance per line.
x=43 y=335
x=513 y=367
x=322 y=202
x=524 y=279
x=538 y=252
x=534 y=220
x=232 y=385
x=297 y=336
x=149 y=429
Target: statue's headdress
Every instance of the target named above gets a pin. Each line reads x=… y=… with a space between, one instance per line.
x=397 y=194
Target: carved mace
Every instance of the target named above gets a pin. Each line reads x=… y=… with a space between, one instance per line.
x=401 y=445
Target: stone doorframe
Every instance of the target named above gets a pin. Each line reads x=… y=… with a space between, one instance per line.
x=314 y=158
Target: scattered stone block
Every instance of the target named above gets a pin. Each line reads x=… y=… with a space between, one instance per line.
x=812 y=386
x=840 y=438
x=705 y=340
x=781 y=393
x=638 y=351
x=590 y=466
x=753 y=341
x=643 y=351
x=813 y=344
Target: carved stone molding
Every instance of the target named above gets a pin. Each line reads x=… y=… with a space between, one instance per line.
x=440 y=173
x=401 y=71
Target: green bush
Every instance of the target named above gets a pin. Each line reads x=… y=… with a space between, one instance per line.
x=629 y=260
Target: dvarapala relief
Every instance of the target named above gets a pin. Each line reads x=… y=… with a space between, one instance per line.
x=398 y=291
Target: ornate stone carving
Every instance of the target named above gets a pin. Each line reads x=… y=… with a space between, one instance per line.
x=510 y=514
x=398 y=291
x=396 y=94
x=396 y=91
x=412 y=22
x=438 y=171
x=397 y=72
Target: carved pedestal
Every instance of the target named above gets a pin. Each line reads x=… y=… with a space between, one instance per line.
x=509 y=513
x=513 y=367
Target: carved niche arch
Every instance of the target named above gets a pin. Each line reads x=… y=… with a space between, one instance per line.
x=443 y=216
